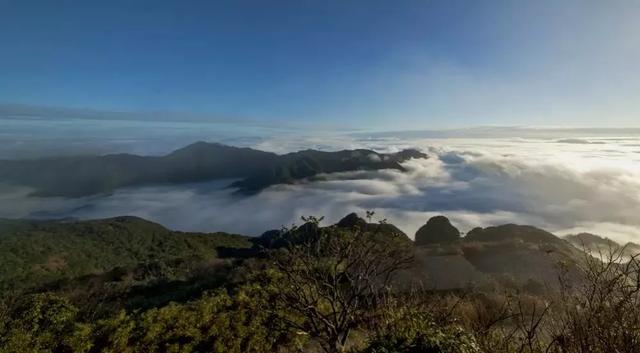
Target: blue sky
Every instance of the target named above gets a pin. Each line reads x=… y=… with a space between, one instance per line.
x=388 y=64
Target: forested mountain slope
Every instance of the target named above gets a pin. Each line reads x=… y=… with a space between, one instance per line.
x=37 y=253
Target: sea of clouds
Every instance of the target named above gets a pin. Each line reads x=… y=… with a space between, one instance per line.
x=565 y=183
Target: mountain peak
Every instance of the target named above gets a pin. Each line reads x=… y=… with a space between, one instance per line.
x=438 y=229
x=352 y=220
x=588 y=240
x=200 y=146
x=410 y=153
x=511 y=232
x=197 y=162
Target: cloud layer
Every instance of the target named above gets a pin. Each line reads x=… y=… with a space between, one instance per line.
x=559 y=186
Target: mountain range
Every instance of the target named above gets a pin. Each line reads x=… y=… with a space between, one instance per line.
x=41 y=253
x=254 y=170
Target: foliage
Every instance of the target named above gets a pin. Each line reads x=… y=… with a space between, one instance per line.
x=217 y=322
x=405 y=325
x=43 y=323
x=601 y=313
x=52 y=251
x=312 y=288
x=333 y=277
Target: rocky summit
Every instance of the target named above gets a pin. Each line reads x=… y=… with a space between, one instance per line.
x=437 y=230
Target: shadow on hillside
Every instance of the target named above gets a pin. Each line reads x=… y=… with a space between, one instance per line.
x=225 y=252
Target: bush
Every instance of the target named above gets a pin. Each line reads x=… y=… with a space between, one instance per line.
x=412 y=328
x=43 y=323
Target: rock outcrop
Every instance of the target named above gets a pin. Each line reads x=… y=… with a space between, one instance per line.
x=437 y=230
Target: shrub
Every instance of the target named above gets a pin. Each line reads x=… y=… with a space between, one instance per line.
x=406 y=327
x=43 y=323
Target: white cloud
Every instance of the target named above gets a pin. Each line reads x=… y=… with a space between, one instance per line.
x=564 y=188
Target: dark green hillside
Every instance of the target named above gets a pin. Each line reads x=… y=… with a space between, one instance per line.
x=274 y=239
x=43 y=252
x=12 y=225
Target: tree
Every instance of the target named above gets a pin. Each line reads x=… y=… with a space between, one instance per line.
x=43 y=323
x=331 y=279
x=600 y=313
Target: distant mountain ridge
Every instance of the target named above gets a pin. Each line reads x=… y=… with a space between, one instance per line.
x=201 y=161
x=601 y=246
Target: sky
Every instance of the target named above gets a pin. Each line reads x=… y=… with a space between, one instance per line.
x=386 y=64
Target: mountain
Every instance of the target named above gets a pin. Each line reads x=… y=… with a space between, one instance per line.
x=591 y=241
x=42 y=252
x=352 y=220
x=201 y=161
x=37 y=253
x=511 y=254
x=8 y=226
x=512 y=232
x=601 y=246
x=87 y=175
x=125 y=281
x=438 y=229
x=309 y=163
x=274 y=239
x=127 y=284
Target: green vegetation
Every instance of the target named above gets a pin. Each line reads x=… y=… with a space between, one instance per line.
x=354 y=287
x=38 y=253
x=12 y=225
x=216 y=322
x=407 y=329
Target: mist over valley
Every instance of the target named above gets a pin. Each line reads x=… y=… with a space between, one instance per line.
x=564 y=183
